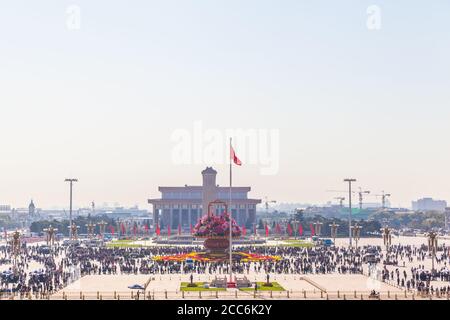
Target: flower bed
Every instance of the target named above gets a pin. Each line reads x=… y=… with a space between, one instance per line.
x=212 y=257
x=262 y=286
x=199 y=286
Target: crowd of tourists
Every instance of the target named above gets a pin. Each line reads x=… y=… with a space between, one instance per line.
x=59 y=265
x=418 y=278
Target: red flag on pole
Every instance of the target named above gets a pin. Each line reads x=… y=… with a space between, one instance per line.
x=122 y=228
x=289 y=229
x=244 y=231
x=312 y=229
x=267 y=230
x=111 y=229
x=300 y=229
x=278 y=228
x=146 y=228
x=158 y=230
x=234 y=157
x=168 y=230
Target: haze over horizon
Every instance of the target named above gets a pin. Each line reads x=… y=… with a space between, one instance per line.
x=102 y=103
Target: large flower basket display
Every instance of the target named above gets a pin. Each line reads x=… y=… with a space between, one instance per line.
x=216 y=229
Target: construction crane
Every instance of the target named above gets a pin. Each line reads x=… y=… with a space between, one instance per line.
x=360 y=195
x=383 y=198
x=266 y=204
x=341 y=201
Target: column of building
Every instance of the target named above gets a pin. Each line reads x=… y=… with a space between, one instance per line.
x=180 y=213
x=247 y=214
x=155 y=216
x=171 y=216
x=190 y=216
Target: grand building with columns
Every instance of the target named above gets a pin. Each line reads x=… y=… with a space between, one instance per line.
x=183 y=206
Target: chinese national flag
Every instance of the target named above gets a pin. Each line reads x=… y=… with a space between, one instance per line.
x=158 y=230
x=267 y=230
x=146 y=228
x=300 y=229
x=234 y=157
x=122 y=226
x=312 y=229
x=111 y=229
x=168 y=230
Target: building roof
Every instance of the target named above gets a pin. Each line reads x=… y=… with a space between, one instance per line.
x=200 y=189
x=199 y=201
x=180 y=189
x=185 y=196
x=209 y=170
x=234 y=189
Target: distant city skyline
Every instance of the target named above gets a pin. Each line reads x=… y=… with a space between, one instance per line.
x=99 y=96
x=282 y=206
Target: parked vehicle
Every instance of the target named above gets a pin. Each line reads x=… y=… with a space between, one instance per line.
x=371 y=258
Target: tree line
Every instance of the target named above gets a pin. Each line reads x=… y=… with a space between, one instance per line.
x=81 y=221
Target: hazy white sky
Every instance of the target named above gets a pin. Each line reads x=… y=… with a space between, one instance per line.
x=101 y=103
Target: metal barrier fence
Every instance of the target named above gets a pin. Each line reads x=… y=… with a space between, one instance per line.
x=224 y=295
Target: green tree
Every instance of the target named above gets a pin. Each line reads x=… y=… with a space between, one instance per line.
x=63 y=226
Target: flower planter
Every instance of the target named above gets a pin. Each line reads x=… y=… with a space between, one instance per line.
x=217 y=244
x=216 y=229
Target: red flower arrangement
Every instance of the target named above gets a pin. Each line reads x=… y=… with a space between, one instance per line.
x=216 y=226
x=207 y=257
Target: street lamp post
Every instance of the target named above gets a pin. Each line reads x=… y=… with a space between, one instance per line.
x=387 y=237
x=90 y=227
x=102 y=225
x=295 y=224
x=334 y=227
x=286 y=229
x=15 y=248
x=356 y=230
x=73 y=231
x=350 y=180
x=317 y=228
x=50 y=235
x=71 y=181
x=432 y=247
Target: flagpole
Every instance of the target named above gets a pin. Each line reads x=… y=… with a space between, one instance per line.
x=231 y=216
